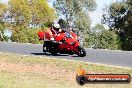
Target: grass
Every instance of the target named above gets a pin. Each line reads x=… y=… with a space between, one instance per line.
x=18 y=71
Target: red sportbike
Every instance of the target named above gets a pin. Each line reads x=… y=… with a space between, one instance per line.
x=67 y=43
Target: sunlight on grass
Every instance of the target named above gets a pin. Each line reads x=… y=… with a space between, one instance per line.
x=18 y=71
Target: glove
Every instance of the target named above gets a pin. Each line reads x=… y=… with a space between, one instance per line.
x=52 y=39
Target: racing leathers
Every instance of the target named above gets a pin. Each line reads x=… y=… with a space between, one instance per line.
x=49 y=40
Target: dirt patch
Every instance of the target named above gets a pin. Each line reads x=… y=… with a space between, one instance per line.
x=55 y=72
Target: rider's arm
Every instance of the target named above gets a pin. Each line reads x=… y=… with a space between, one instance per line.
x=49 y=35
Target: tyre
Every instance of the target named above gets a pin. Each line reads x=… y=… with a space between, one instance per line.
x=71 y=53
x=81 y=51
x=54 y=52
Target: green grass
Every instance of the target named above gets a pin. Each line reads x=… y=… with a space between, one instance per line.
x=18 y=71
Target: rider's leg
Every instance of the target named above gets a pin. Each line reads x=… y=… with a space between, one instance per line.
x=45 y=45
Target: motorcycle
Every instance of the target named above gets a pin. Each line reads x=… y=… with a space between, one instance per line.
x=67 y=43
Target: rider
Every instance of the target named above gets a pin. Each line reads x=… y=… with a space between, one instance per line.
x=50 y=34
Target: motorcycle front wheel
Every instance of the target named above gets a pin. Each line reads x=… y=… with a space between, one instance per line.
x=81 y=51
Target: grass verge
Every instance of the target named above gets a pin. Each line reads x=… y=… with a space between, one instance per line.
x=18 y=71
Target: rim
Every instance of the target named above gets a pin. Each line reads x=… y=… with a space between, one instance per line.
x=81 y=52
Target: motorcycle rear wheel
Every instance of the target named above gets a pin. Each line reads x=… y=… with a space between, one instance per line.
x=54 y=52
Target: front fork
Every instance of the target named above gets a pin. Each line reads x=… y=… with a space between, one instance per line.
x=75 y=47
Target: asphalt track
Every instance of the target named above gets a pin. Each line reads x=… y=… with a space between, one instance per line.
x=109 y=57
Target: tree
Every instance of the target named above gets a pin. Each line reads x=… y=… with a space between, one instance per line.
x=102 y=38
x=24 y=18
x=26 y=36
x=118 y=17
x=3 y=8
x=76 y=12
x=73 y=7
x=114 y=16
x=19 y=12
x=41 y=12
x=30 y=12
x=26 y=15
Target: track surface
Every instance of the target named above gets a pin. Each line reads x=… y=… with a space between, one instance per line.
x=110 y=57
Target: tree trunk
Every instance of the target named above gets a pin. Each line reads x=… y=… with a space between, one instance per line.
x=1 y=37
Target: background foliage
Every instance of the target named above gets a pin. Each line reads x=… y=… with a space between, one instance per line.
x=24 y=18
x=118 y=17
x=76 y=13
x=100 y=38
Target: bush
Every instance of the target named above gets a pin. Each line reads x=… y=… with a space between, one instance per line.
x=26 y=36
x=105 y=40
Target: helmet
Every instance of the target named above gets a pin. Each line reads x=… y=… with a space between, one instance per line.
x=62 y=23
x=56 y=25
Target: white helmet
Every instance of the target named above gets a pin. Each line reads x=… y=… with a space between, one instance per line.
x=56 y=25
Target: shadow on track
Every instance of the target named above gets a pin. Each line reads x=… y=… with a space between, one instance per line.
x=48 y=54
